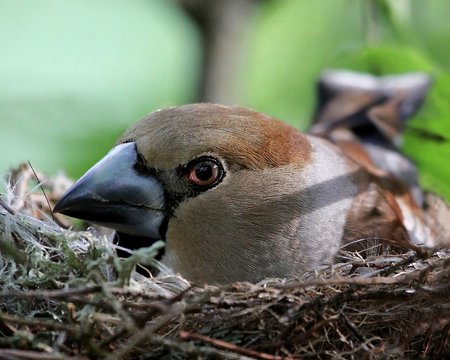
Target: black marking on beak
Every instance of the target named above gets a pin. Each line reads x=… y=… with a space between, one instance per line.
x=113 y=193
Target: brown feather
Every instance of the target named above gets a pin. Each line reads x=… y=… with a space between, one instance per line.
x=247 y=138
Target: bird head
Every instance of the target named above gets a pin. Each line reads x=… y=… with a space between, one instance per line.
x=235 y=194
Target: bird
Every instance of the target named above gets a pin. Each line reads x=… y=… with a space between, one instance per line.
x=238 y=195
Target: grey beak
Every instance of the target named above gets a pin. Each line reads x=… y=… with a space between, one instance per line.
x=114 y=194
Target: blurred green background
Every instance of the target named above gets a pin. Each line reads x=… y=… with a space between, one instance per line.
x=75 y=73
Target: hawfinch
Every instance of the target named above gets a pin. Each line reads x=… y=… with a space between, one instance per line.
x=240 y=196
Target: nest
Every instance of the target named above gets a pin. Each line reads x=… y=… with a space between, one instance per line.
x=65 y=294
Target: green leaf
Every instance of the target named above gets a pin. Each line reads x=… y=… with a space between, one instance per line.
x=75 y=73
x=291 y=42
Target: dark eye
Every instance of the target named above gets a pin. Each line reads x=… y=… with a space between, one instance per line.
x=205 y=172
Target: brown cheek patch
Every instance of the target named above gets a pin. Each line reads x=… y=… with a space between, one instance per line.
x=277 y=144
x=286 y=144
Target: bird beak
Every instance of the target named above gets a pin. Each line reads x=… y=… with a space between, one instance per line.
x=113 y=193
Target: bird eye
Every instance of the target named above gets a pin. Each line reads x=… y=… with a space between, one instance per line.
x=205 y=172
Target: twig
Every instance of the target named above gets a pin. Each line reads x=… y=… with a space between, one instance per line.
x=49 y=324
x=35 y=355
x=130 y=323
x=360 y=346
x=162 y=307
x=144 y=334
x=390 y=269
x=186 y=335
x=346 y=281
x=353 y=328
x=51 y=294
x=43 y=192
x=148 y=332
x=189 y=348
x=362 y=280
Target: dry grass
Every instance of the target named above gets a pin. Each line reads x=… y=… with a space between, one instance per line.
x=66 y=295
